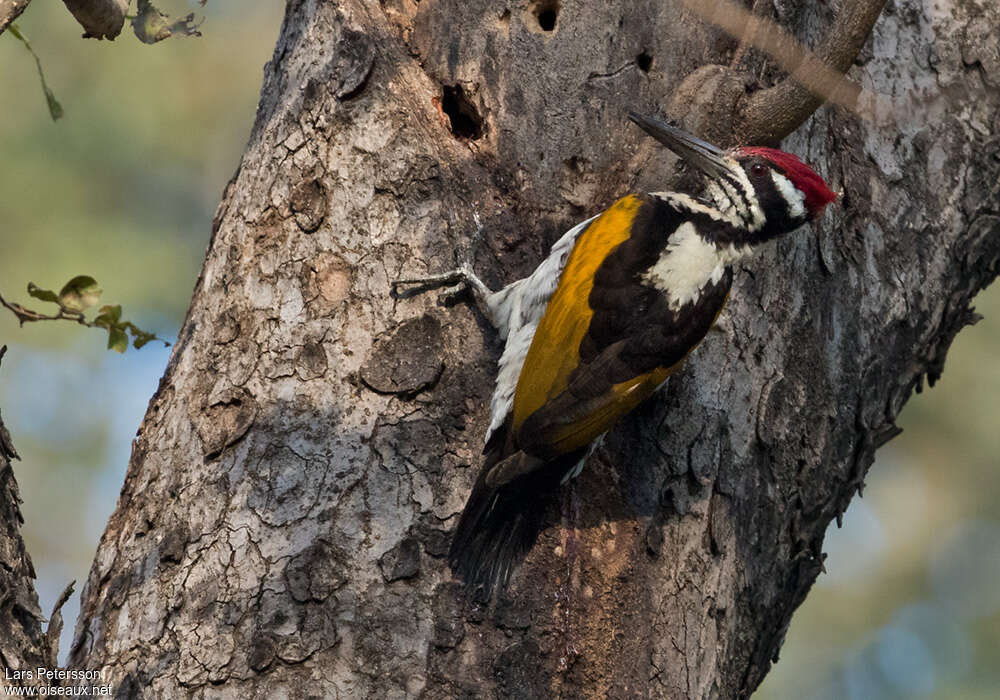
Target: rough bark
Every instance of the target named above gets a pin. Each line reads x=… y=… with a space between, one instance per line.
x=288 y=502
x=23 y=644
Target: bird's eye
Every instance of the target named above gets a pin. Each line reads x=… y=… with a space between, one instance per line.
x=758 y=169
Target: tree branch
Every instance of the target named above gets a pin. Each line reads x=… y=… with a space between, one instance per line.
x=814 y=77
x=11 y=10
x=100 y=19
x=26 y=315
x=776 y=112
x=750 y=37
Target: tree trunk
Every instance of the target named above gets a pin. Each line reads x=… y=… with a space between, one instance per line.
x=282 y=527
x=23 y=644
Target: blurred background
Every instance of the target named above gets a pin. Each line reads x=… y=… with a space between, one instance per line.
x=124 y=188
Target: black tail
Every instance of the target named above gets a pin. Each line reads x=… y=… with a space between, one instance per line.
x=500 y=525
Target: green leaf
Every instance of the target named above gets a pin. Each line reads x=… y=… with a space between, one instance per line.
x=109 y=316
x=55 y=109
x=150 y=25
x=79 y=293
x=117 y=339
x=140 y=339
x=43 y=294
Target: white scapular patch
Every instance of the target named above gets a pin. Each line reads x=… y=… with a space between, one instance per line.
x=794 y=198
x=687 y=264
x=517 y=310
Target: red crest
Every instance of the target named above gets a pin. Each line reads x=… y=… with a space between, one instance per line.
x=805 y=179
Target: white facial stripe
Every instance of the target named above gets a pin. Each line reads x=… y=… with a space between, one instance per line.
x=793 y=196
x=687 y=264
x=737 y=201
x=737 y=198
x=723 y=203
x=756 y=218
x=686 y=202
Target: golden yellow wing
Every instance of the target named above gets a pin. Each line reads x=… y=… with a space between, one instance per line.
x=555 y=347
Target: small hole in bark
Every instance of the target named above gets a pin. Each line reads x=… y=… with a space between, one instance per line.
x=644 y=61
x=547 y=11
x=465 y=120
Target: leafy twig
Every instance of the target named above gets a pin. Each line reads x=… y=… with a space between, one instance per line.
x=77 y=295
x=55 y=109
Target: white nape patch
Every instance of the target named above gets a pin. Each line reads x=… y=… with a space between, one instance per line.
x=518 y=308
x=794 y=198
x=688 y=263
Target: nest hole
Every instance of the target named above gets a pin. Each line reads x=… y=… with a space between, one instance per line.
x=546 y=12
x=465 y=120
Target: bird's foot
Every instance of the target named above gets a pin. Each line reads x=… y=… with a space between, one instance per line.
x=456 y=283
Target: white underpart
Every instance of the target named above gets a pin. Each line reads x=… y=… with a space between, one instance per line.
x=517 y=310
x=687 y=264
x=793 y=196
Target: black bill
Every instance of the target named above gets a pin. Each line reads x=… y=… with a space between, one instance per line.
x=701 y=154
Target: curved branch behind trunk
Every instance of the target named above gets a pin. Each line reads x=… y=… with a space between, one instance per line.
x=774 y=113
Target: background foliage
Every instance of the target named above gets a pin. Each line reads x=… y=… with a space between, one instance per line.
x=123 y=188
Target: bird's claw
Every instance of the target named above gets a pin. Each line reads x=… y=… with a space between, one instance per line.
x=452 y=295
x=456 y=281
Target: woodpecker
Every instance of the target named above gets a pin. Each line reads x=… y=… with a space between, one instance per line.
x=602 y=322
